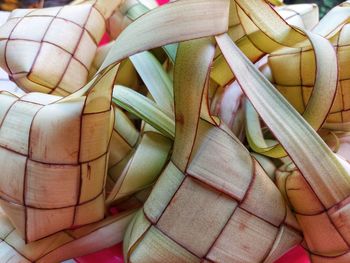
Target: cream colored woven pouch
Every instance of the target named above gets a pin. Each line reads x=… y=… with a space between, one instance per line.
x=320 y=192
x=54 y=153
x=51 y=50
x=300 y=67
x=65 y=244
x=324 y=228
x=54 y=160
x=213 y=202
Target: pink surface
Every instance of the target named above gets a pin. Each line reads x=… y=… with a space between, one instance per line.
x=296 y=255
x=110 y=255
x=115 y=255
x=161 y=2
x=105 y=39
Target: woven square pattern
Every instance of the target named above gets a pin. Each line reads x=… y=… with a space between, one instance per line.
x=217 y=211
x=305 y=16
x=51 y=50
x=65 y=244
x=297 y=83
x=53 y=163
x=325 y=230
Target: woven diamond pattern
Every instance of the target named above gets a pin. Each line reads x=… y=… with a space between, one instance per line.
x=53 y=163
x=51 y=50
x=216 y=211
x=300 y=71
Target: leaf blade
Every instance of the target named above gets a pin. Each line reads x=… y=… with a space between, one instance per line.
x=145 y=109
x=328 y=178
x=155 y=78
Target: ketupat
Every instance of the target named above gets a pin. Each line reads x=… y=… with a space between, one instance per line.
x=268 y=32
x=157 y=235
x=199 y=188
x=57 y=45
x=326 y=243
x=227 y=101
x=313 y=174
x=324 y=182
x=71 y=172
x=41 y=135
x=323 y=228
x=67 y=244
x=298 y=83
x=245 y=31
x=319 y=192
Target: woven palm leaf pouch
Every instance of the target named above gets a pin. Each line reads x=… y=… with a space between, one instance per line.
x=54 y=160
x=213 y=202
x=298 y=84
x=54 y=152
x=317 y=184
x=51 y=50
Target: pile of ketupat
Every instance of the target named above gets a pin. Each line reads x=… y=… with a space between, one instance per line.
x=168 y=138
